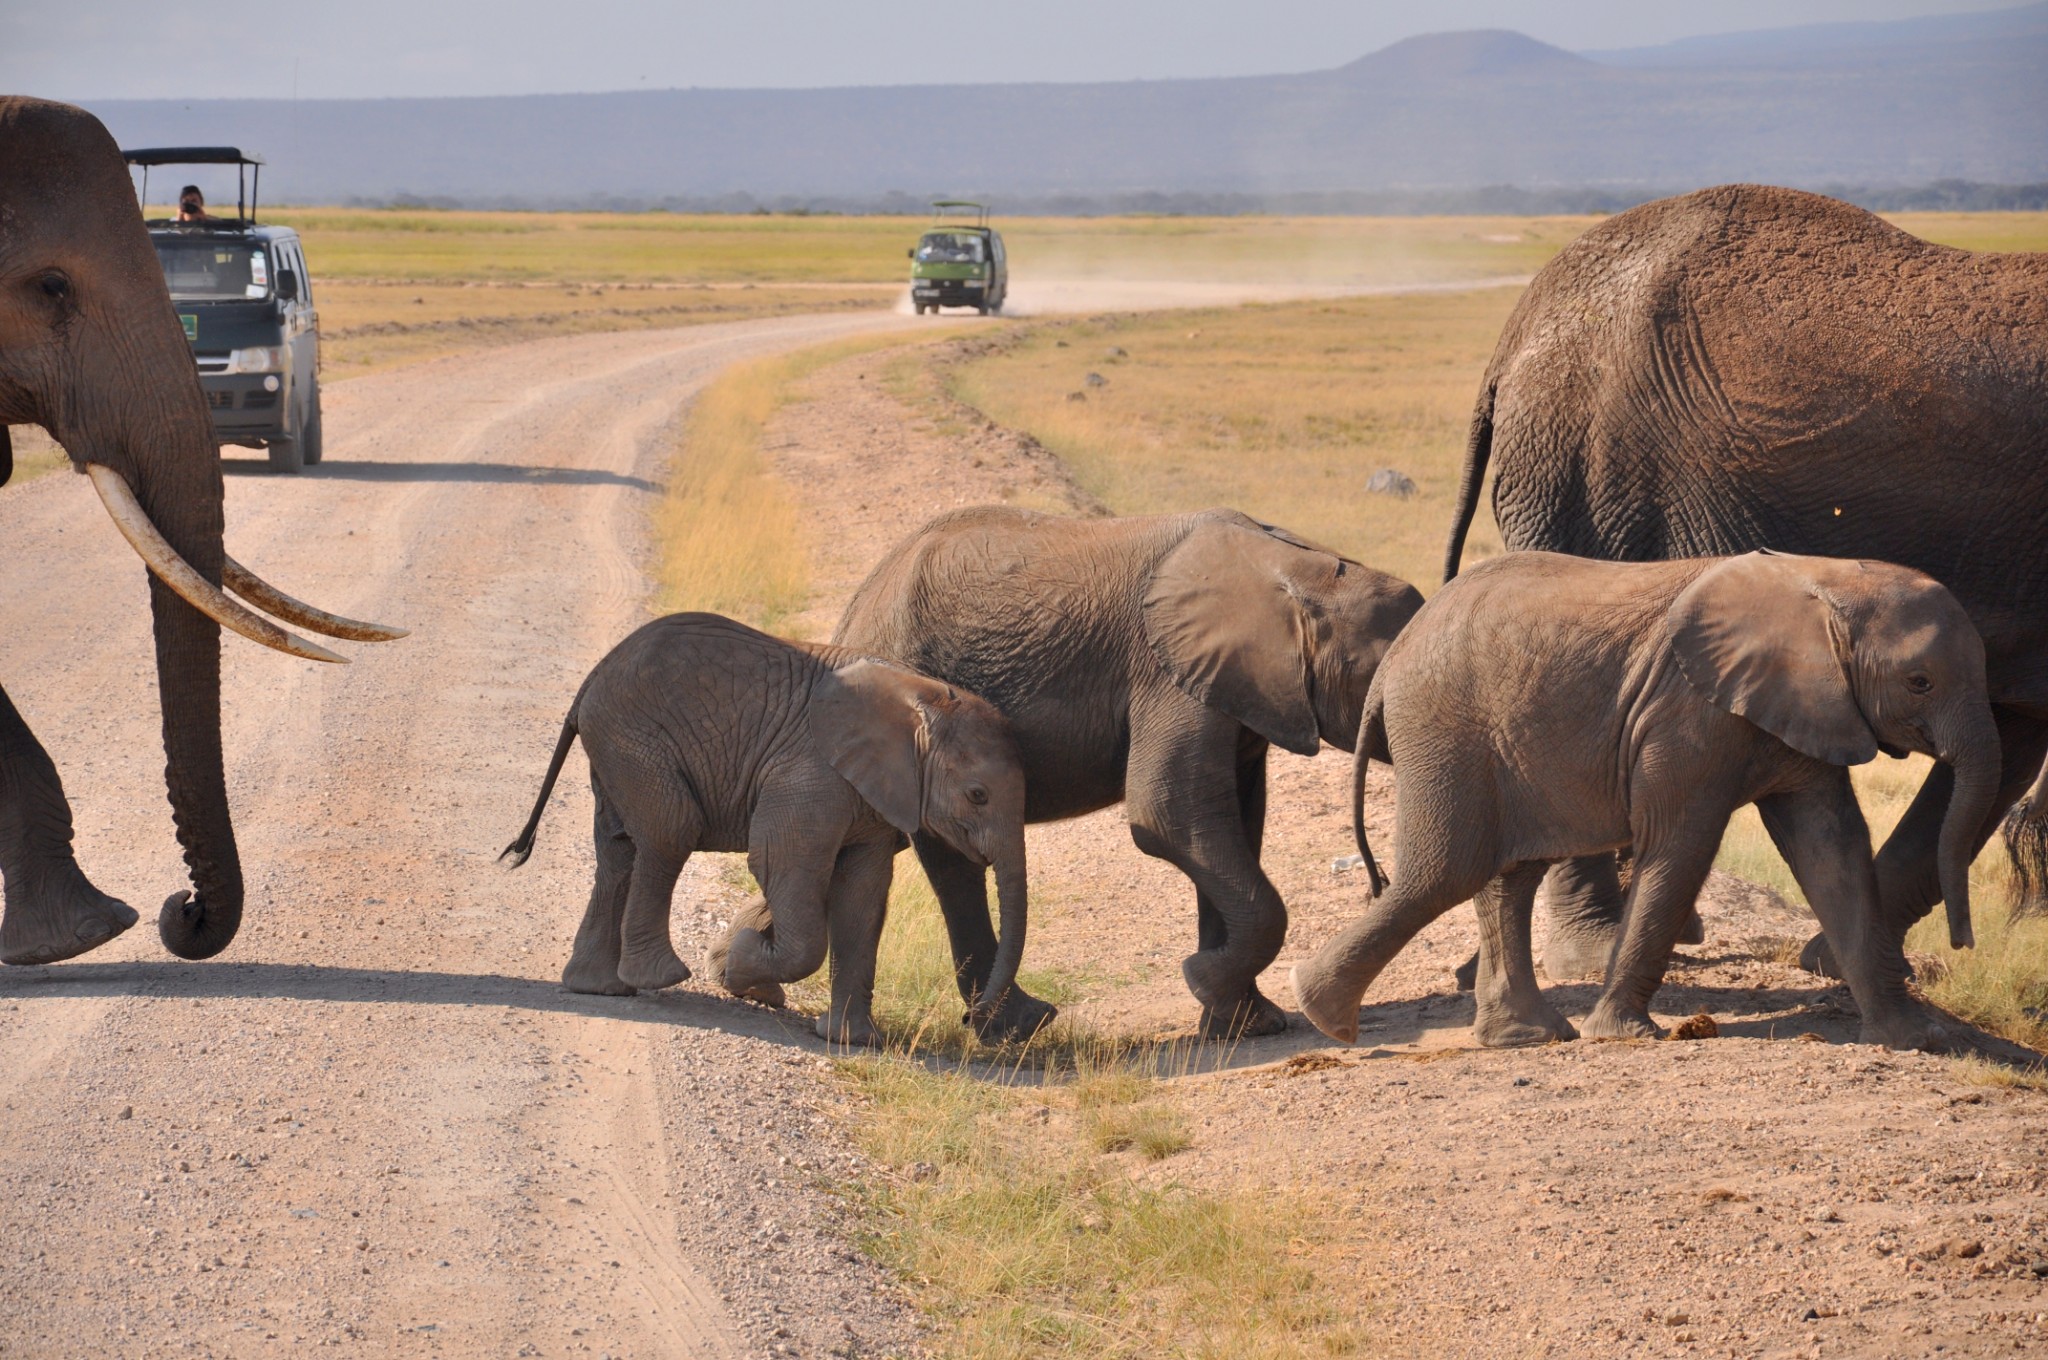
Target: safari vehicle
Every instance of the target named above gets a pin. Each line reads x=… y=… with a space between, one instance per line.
x=246 y=303
x=959 y=262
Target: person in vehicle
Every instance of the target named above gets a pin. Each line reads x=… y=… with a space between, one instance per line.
x=192 y=205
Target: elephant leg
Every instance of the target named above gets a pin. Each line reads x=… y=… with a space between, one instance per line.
x=857 y=906
x=754 y=915
x=52 y=912
x=594 y=962
x=1908 y=877
x=1821 y=833
x=794 y=861
x=647 y=955
x=1669 y=873
x=1261 y=1015
x=1183 y=799
x=1330 y=986
x=1512 y=1010
x=1583 y=899
x=962 y=889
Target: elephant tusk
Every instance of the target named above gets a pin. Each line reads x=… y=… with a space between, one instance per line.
x=174 y=571
x=271 y=600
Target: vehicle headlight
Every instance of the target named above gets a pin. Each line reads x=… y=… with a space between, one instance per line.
x=260 y=359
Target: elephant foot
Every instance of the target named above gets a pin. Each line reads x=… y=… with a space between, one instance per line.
x=1329 y=1005
x=57 y=916
x=589 y=978
x=1819 y=959
x=765 y=991
x=1609 y=1021
x=1504 y=1030
x=852 y=1031
x=1019 y=1017
x=1913 y=1027
x=653 y=970
x=1694 y=931
x=1466 y=975
x=1577 y=951
x=1252 y=1017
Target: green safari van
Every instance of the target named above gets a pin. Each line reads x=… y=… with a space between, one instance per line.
x=959 y=261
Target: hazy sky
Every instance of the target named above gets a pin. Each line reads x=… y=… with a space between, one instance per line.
x=106 y=49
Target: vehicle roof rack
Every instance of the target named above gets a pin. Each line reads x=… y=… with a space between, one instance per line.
x=248 y=175
x=944 y=210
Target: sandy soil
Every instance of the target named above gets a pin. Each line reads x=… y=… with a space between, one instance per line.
x=1646 y=1199
x=377 y=1121
x=1040 y=296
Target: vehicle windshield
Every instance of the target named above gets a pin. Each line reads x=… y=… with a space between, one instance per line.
x=211 y=271
x=950 y=247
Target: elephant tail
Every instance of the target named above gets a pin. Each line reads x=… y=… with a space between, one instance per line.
x=1371 y=732
x=518 y=850
x=1478 y=452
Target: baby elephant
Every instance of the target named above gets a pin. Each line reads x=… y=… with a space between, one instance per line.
x=704 y=734
x=1542 y=706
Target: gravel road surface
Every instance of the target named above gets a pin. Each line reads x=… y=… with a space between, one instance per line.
x=376 y=1121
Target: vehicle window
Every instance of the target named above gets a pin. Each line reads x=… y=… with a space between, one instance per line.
x=305 y=278
x=213 y=270
x=949 y=247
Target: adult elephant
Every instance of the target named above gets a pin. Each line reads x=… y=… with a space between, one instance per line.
x=1150 y=660
x=1749 y=367
x=91 y=350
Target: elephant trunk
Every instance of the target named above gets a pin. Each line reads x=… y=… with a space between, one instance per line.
x=1012 y=908
x=181 y=494
x=1967 y=741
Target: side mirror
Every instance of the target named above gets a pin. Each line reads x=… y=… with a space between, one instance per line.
x=287 y=285
x=910 y=254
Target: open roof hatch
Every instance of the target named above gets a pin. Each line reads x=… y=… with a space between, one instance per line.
x=248 y=177
x=954 y=212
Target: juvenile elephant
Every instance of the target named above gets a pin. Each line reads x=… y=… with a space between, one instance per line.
x=1149 y=660
x=1543 y=706
x=1753 y=367
x=704 y=734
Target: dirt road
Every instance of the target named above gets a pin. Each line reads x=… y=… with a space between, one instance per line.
x=377 y=1119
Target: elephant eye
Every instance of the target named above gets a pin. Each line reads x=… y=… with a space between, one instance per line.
x=1918 y=683
x=54 y=285
x=976 y=794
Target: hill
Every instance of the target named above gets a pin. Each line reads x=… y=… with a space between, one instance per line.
x=1954 y=97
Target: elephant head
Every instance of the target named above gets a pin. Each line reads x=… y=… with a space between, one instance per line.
x=1282 y=635
x=930 y=757
x=1842 y=659
x=91 y=349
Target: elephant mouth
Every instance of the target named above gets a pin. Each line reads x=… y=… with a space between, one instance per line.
x=211 y=600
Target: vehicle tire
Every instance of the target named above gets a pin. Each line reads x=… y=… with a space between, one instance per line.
x=287 y=455
x=921 y=308
x=981 y=307
x=309 y=440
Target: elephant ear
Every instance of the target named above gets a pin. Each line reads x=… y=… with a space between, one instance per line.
x=871 y=723
x=1229 y=614
x=1760 y=637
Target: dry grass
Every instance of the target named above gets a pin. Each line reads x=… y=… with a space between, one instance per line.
x=366 y=326
x=726 y=530
x=35 y=454
x=1029 y=1231
x=1283 y=411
